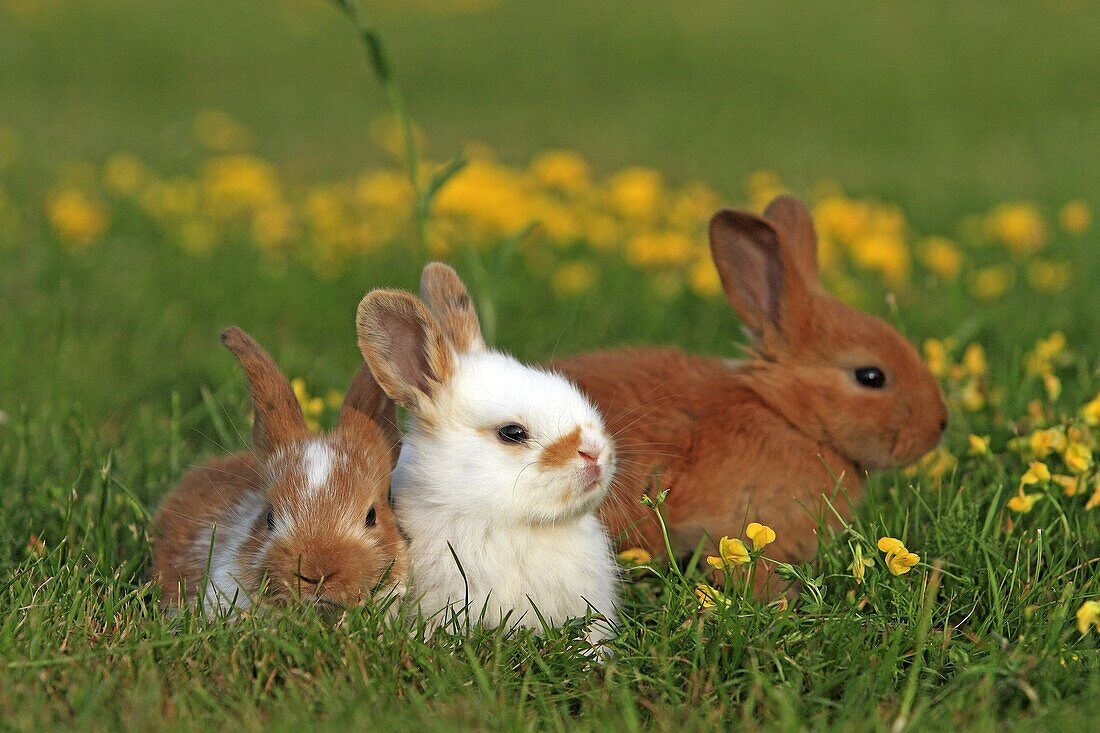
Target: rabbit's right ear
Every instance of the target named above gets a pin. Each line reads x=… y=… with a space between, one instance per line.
x=405 y=349
x=761 y=278
x=795 y=224
x=448 y=300
x=278 y=417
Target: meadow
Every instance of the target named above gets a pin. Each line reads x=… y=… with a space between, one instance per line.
x=169 y=169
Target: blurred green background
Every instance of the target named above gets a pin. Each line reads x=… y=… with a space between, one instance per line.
x=944 y=108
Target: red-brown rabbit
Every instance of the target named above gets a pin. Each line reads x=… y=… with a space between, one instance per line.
x=826 y=393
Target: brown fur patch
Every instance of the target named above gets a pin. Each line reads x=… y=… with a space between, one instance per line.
x=561 y=451
x=447 y=298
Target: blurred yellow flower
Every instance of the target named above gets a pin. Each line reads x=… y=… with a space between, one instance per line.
x=1078 y=457
x=236 y=183
x=573 y=278
x=1088 y=617
x=312 y=407
x=883 y=253
x=123 y=174
x=561 y=169
x=1053 y=387
x=1044 y=442
x=634 y=556
x=704 y=278
x=1023 y=503
x=971 y=397
x=1018 y=225
x=935 y=355
x=1048 y=277
x=761 y=535
x=1090 y=412
x=1071 y=485
x=218 y=132
x=898 y=558
x=654 y=249
x=991 y=283
x=979 y=444
x=77 y=218
x=635 y=192
x=941 y=257
x=974 y=360
x=1094 y=500
x=731 y=551
x=1042 y=357
x=1075 y=217
x=1037 y=473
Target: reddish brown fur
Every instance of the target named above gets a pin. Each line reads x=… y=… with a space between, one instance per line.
x=446 y=297
x=561 y=451
x=764 y=440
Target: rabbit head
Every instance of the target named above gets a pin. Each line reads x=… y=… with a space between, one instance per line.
x=488 y=434
x=326 y=532
x=840 y=375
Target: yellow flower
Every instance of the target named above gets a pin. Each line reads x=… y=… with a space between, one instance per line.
x=990 y=283
x=704 y=278
x=1075 y=217
x=941 y=257
x=709 y=596
x=1018 y=225
x=1023 y=503
x=635 y=192
x=76 y=217
x=859 y=565
x=761 y=535
x=655 y=249
x=1042 y=357
x=731 y=552
x=312 y=407
x=979 y=444
x=971 y=396
x=974 y=360
x=123 y=174
x=1088 y=617
x=1078 y=457
x=1037 y=473
x=1049 y=277
x=573 y=278
x=1053 y=386
x=1045 y=442
x=634 y=556
x=898 y=558
x=1094 y=500
x=561 y=169
x=1091 y=411
x=1071 y=485
x=935 y=355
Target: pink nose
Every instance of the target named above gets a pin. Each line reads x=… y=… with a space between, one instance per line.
x=591 y=462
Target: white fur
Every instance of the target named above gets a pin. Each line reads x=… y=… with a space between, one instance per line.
x=525 y=534
x=223 y=591
x=317 y=460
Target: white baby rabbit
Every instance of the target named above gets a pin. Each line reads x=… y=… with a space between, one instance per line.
x=502 y=468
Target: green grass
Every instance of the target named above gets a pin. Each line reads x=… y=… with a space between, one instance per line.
x=112 y=380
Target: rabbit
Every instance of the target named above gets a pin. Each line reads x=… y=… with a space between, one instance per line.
x=826 y=393
x=501 y=470
x=302 y=516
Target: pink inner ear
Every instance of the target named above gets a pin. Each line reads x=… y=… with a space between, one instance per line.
x=410 y=355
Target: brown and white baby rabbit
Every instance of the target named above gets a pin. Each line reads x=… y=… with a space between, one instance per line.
x=502 y=468
x=303 y=516
x=826 y=393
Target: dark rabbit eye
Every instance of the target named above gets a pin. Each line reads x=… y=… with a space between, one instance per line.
x=872 y=377
x=372 y=517
x=271 y=519
x=513 y=433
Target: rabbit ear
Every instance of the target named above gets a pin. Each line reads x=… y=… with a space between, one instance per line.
x=278 y=416
x=369 y=414
x=406 y=351
x=760 y=278
x=448 y=300
x=793 y=221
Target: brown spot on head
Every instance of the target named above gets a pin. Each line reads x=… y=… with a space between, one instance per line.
x=561 y=451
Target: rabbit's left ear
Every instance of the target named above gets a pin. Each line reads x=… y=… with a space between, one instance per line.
x=369 y=415
x=278 y=418
x=448 y=300
x=406 y=351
